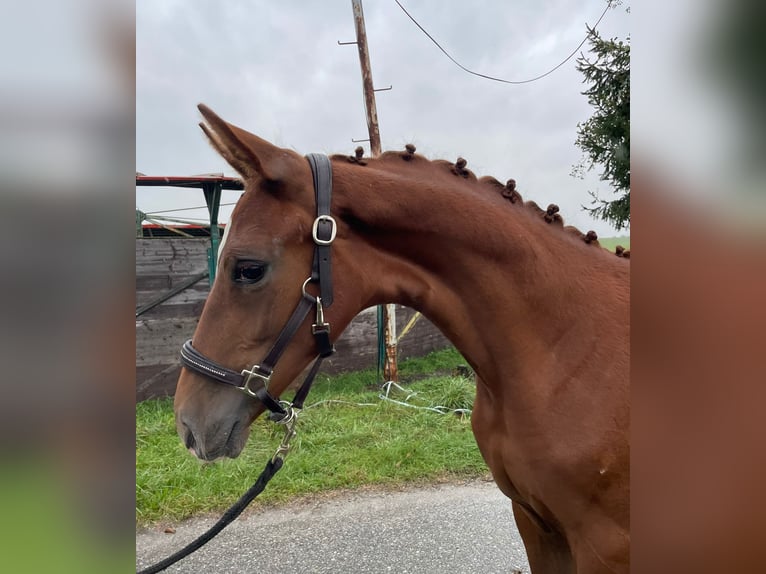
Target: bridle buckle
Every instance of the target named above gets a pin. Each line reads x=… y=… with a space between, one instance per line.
x=254 y=373
x=315 y=229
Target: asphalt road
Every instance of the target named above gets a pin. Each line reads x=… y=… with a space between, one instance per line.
x=465 y=529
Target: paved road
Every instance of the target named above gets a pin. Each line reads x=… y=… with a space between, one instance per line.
x=463 y=529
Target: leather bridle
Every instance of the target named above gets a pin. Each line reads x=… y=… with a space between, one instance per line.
x=254 y=382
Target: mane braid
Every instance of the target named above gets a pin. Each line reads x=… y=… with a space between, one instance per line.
x=508 y=191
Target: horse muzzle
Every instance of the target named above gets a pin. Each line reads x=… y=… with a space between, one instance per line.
x=211 y=422
x=226 y=438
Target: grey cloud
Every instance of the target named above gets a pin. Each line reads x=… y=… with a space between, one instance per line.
x=275 y=69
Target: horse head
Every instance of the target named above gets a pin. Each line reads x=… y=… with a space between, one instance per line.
x=264 y=270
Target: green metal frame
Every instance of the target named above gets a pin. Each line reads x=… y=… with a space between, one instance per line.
x=212 y=193
x=212 y=187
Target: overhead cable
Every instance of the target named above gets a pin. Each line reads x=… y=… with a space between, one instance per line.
x=486 y=77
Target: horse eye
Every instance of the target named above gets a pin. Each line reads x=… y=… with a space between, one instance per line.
x=248 y=272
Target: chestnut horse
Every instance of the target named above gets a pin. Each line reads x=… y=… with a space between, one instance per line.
x=539 y=310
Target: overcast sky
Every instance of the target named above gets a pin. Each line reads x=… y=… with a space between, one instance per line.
x=275 y=69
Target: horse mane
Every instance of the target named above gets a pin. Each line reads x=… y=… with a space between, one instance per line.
x=507 y=190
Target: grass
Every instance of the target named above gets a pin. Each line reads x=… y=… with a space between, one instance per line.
x=609 y=243
x=347 y=438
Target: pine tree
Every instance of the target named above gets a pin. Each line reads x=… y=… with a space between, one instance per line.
x=605 y=136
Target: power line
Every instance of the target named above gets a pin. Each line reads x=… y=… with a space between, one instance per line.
x=462 y=67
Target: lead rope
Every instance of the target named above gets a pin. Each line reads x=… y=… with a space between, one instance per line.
x=272 y=467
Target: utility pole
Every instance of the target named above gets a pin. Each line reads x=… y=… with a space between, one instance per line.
x=369 y=90
x=388 y=312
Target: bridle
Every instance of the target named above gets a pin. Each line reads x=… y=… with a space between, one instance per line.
x=254 y=382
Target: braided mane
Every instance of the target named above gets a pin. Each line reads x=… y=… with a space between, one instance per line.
x=508 y=190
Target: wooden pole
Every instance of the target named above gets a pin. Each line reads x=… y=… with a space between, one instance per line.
x=390 y=369
x=369 y=90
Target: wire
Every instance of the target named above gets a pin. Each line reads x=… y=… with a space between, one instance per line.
x=608 y=5
x=187 y=221
x=188 y=208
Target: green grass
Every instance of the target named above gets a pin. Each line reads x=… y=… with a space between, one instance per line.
x=340 y=444
x=610 y=243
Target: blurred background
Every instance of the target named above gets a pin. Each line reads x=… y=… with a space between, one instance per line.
x=697 y=286
x=66 y=286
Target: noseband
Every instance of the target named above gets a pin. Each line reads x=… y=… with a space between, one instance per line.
x=254 y=382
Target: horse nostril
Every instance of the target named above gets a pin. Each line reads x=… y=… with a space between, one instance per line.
x=189 y=437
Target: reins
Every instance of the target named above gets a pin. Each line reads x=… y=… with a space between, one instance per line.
x=254 y=382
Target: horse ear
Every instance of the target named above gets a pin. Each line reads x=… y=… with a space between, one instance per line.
x=245 y=152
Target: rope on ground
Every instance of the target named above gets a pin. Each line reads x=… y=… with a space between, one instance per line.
x=385 y=396
x=335 y=401
x=442 y=410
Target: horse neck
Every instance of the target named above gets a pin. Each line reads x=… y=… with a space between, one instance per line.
x=500 y=283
